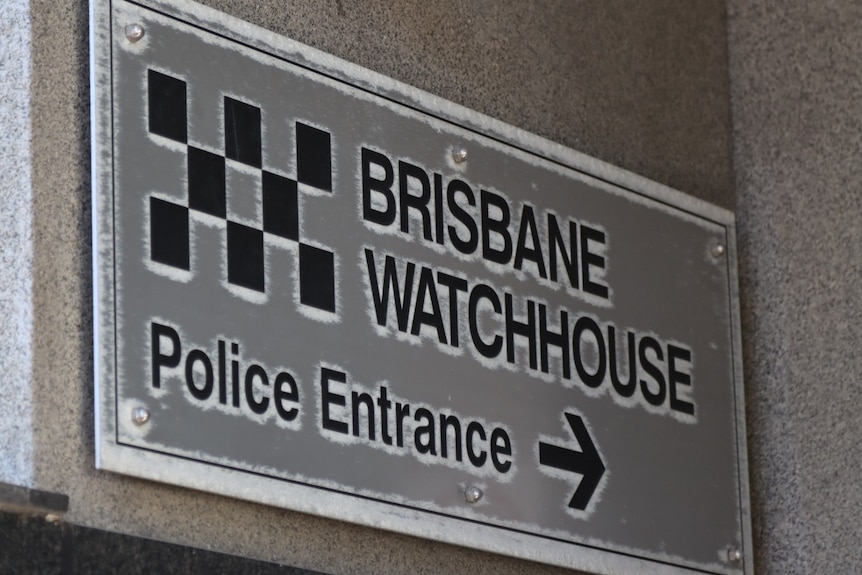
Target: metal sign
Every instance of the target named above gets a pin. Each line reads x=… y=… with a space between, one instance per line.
x=321 y=289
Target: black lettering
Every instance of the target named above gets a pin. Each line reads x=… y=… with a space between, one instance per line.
x=446 y=422
x=657 y=397
x=384 y=404
x=500 y=445
x=157 y=331
x=469 y=245
x=481 y=292
x=402 y=411
x=253 y=371
x=556 y=246
x=327 y=397
x=623 y=389
x=455 y=284
x=222 y=373
x=234 y=373
x=592 y=260
x=676 y=377
x=386 y=217
x=583 y=324
x=477 y=459
x=368 y=402
x=419 y=203
x=427 y=289
x=558 y=339
x=534 y=253
x=390 y=278
x=197 y=356
x=499 y=227
x=280 y=396
x=527 y=330
x=426 y=430
x=438 y=208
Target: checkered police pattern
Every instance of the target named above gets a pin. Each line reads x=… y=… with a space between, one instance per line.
x=207 y=193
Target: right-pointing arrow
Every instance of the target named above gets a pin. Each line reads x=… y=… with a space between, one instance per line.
x=587 y=462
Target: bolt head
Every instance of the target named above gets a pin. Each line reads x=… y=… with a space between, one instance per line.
x=473 y=494
x=140 y=416
x=459 y=155
x=134 y=32
x=734 y=555
x=717 y=250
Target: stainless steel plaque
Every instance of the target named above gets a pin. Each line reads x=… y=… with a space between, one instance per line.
x=321 y=289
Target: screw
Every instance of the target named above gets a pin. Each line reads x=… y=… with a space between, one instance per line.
x=459 y=155
x=140 y=416
x=717 y=250
x=473 y=494
x=734 y=555
x=52 y=519
x=134 y=32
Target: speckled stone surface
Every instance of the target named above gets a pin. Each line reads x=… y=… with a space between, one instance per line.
x=643 y=86
x=796 y=71
x=16 y=445
x=31 y=545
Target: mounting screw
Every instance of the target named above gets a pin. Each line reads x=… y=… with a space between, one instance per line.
x=140 y=416
x=734 y=555
x=459 y=155
x=473 y=494
x=134 y=32
x=53 y=519
x=717 y=250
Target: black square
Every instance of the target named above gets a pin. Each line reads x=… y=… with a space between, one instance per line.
x=167 y=106
x=317 y=277
x=245 y=256
x=206 y=182
x=280 y=206
x=169 y=233
x=313 y=157
x=242 y=132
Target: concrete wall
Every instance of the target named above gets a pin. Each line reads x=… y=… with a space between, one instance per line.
x=796 y=70
x=646 y=86
x=16 y=249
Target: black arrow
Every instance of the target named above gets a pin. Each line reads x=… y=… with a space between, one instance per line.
x=587 y=462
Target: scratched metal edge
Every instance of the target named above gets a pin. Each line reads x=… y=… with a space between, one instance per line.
x=112 y=456
x=747 y=543
x=101 y=166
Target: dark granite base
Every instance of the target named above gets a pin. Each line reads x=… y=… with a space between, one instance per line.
x=31 y=545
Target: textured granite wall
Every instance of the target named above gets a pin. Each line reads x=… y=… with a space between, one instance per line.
x=32 y=546
x=796 y=70
x=643 y=86
x=16 y=445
